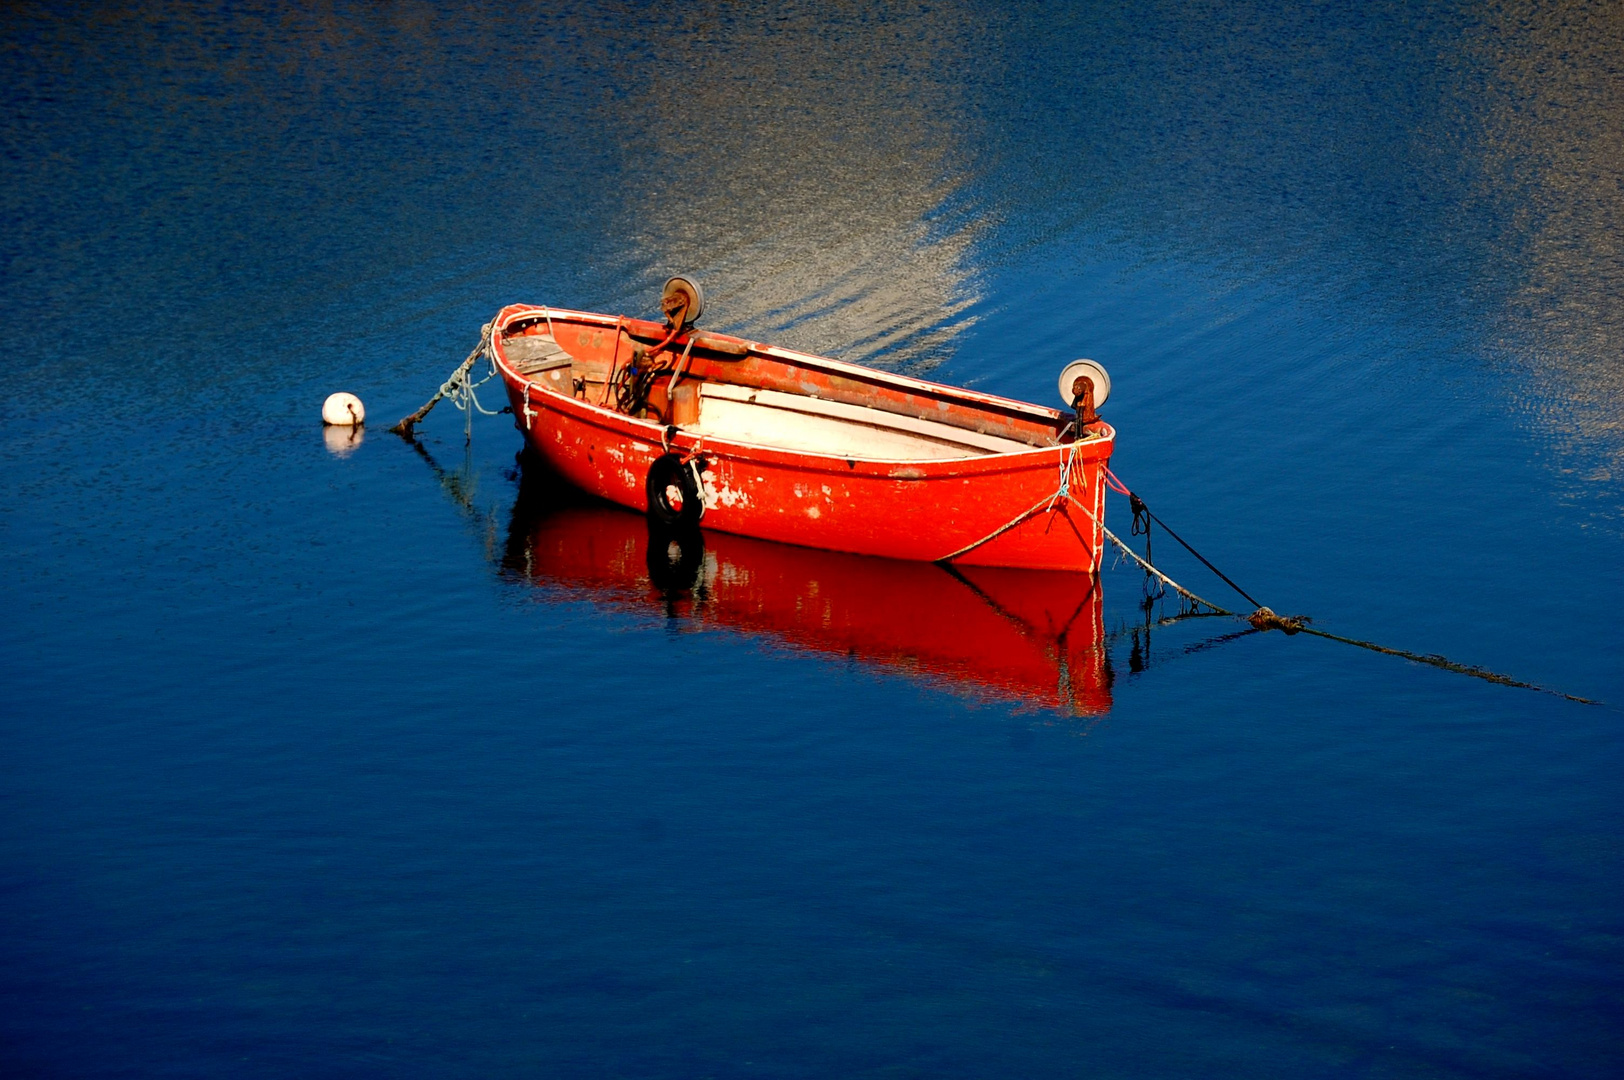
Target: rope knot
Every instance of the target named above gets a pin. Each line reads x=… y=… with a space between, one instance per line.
x=1265 y=619
x=1141 y=517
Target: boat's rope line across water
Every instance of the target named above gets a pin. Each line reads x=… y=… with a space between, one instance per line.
x=1265 y=619
x=460 y=388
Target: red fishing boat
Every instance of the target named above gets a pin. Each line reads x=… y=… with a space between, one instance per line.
x=768 y=442
x=1028 y=636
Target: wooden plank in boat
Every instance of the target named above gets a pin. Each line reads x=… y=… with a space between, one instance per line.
x=532 y=354
x=727 y=347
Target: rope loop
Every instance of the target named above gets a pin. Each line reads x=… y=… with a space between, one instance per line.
x=458 y=388
x=1064 y=492
x=1141 y=516
x=1061 y=498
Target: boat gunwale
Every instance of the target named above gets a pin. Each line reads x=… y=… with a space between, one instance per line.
x=648 y=431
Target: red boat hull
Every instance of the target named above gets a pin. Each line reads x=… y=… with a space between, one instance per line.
x=914 y=509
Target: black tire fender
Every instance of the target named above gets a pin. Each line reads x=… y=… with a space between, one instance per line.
x=670 y=471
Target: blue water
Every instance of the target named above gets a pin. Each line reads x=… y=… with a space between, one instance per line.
x=299 y=775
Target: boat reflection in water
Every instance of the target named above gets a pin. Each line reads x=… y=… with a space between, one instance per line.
x=1035 y=637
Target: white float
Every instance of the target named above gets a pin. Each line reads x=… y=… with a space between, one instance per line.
x=343 y=410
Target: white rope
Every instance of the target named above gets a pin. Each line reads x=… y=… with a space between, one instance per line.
x=525 y=410
x=1044 y=505
x=699 y=481
x=461 y=390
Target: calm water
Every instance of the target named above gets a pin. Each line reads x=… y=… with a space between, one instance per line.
x=356 y=760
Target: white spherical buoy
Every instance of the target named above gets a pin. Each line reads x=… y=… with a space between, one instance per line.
x=343 y=410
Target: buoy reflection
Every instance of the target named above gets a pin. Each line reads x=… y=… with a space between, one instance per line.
x=342 y=441
x=1030 y=636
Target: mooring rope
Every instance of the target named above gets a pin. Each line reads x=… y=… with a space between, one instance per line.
x=457 y=387
x=1265 y=619
x=1140 y=510
x=460 y=389
x=1061 y=494
x=1262 y=617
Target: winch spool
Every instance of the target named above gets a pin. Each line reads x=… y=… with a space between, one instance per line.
x=1094 y=371
x=680 y=292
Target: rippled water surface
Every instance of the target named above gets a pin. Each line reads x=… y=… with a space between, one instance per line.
x=354 y=758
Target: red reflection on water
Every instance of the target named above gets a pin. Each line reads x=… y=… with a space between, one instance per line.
x=1033 y=636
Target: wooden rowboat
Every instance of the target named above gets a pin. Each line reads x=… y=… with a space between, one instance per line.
x=768 y=442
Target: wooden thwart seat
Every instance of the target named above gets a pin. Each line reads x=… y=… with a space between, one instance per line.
x=531 y=354
x=543 y=361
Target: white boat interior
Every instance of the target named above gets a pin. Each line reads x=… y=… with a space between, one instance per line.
x=812 y=425
x=774 y=418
